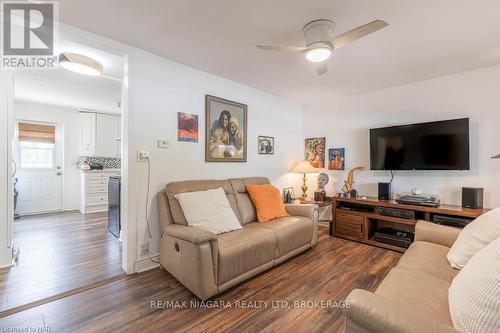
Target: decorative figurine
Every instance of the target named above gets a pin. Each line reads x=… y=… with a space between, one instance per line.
x=349 y=182
x=320 y=195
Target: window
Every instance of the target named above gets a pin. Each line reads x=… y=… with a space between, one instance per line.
x=36 y=146
x=39 y=155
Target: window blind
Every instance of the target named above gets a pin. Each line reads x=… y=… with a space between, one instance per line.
x=37 y=133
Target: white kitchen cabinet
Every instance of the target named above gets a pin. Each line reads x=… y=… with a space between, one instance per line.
x=87 y=133
x=108 y=130
x=94 y=190
x=100 y=134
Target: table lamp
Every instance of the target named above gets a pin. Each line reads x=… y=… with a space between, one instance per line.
x=304 y=167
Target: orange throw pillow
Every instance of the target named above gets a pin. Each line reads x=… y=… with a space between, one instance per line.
x=267 y=201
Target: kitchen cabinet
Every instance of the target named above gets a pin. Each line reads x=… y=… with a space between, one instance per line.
x=100 y=134
x=107 y=133
x=87 y=133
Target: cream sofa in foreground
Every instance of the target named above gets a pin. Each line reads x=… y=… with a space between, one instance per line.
x=208 y=264
x=413 y=297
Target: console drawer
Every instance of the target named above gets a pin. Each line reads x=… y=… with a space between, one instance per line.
x=347 y=224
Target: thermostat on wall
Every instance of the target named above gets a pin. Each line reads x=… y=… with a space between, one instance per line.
x=163 y=143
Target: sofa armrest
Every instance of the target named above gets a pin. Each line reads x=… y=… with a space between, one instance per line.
x=306 y=210
x=376 y=313
x=192 y=235
x=436 y=233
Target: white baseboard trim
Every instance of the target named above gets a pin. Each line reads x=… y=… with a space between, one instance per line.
x=144 y=264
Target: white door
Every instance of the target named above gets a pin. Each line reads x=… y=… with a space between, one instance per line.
x=39 y=174
x=87 y=133
x=108 y=130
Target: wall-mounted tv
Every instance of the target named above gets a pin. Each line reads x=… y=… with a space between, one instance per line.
x=438 y=145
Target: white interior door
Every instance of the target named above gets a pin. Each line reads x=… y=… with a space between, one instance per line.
x=39 y=175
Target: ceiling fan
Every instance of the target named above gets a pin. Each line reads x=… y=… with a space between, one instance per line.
x=320 y=43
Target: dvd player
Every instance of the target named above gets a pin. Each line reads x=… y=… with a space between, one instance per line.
x=395 y=212
x=394 y=237
x=451 y=220
x=418 y=200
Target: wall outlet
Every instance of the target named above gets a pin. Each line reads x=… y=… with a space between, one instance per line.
x=142 y=155
x=163 y=143
x=144 y=248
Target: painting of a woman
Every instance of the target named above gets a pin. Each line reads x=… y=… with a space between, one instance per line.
x=226 y=130
x=315 y=151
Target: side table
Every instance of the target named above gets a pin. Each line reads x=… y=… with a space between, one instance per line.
x=325 y=211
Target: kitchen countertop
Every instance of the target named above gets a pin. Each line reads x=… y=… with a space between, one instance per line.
x=103 y=170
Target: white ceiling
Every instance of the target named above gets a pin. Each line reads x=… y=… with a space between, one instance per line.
x=65 y=88
x=425 y=39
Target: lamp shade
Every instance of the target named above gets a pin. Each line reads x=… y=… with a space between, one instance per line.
x=305 y=167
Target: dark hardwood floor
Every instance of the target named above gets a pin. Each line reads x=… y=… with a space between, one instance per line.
x=326 y=273
x=57 y=253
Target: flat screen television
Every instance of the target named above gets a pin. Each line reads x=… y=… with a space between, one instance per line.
x=438 y=145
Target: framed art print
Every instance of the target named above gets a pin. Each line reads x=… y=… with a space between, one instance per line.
x=187 y=127
x=265 y=145
x=226 y=130
x=336 y=159
x=315 y=151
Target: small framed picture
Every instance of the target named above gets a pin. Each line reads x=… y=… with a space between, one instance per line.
x=336 y=159
x=265 y=145
x=288 y=194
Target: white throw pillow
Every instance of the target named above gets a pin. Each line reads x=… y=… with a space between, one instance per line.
x=475 y=236
x=209 y=210
x=474 y=295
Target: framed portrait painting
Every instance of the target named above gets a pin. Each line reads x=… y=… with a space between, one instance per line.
x=225 y=130
x=265 y=145
x=336 y=159
x=315 y=151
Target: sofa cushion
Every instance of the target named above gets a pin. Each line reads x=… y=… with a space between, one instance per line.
x=474 y=237
x=245 y=207
x=243 y=250
x=475 y=292
x=267 y=201
x=429 y=258
x=209 y=210
x=196 y=185
x=425 y=292
x=291 y=233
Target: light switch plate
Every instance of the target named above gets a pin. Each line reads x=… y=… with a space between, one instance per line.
x=163 y=143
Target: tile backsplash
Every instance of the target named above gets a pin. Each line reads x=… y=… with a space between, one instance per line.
x=107 y=162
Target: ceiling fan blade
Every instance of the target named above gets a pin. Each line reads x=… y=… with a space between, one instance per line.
x=352 y=35
x=282 y=48
x=321 y=67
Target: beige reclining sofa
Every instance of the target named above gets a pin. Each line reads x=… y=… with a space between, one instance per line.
x=413 y=297
x=208 y=264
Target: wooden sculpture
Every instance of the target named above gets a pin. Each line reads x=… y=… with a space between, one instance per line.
x=350 y=179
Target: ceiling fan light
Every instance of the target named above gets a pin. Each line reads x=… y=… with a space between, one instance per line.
x=80 y=64
x=318 y=54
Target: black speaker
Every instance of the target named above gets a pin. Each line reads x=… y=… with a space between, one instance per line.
x=472 y=197
x=384 y=191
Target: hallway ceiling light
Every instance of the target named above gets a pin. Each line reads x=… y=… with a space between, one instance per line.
x=80 y=64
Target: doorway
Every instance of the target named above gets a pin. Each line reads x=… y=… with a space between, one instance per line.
x=38 y=157
x=62 y=123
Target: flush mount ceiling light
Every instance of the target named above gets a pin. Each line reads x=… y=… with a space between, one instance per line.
x=80 y=64
x=318 y=52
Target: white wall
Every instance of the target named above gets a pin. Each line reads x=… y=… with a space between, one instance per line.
x=473 y=94
x=160 y=88
x=69 y=121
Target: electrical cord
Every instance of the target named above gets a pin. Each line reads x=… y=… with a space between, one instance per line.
x=393 y=174
x=146 y=210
